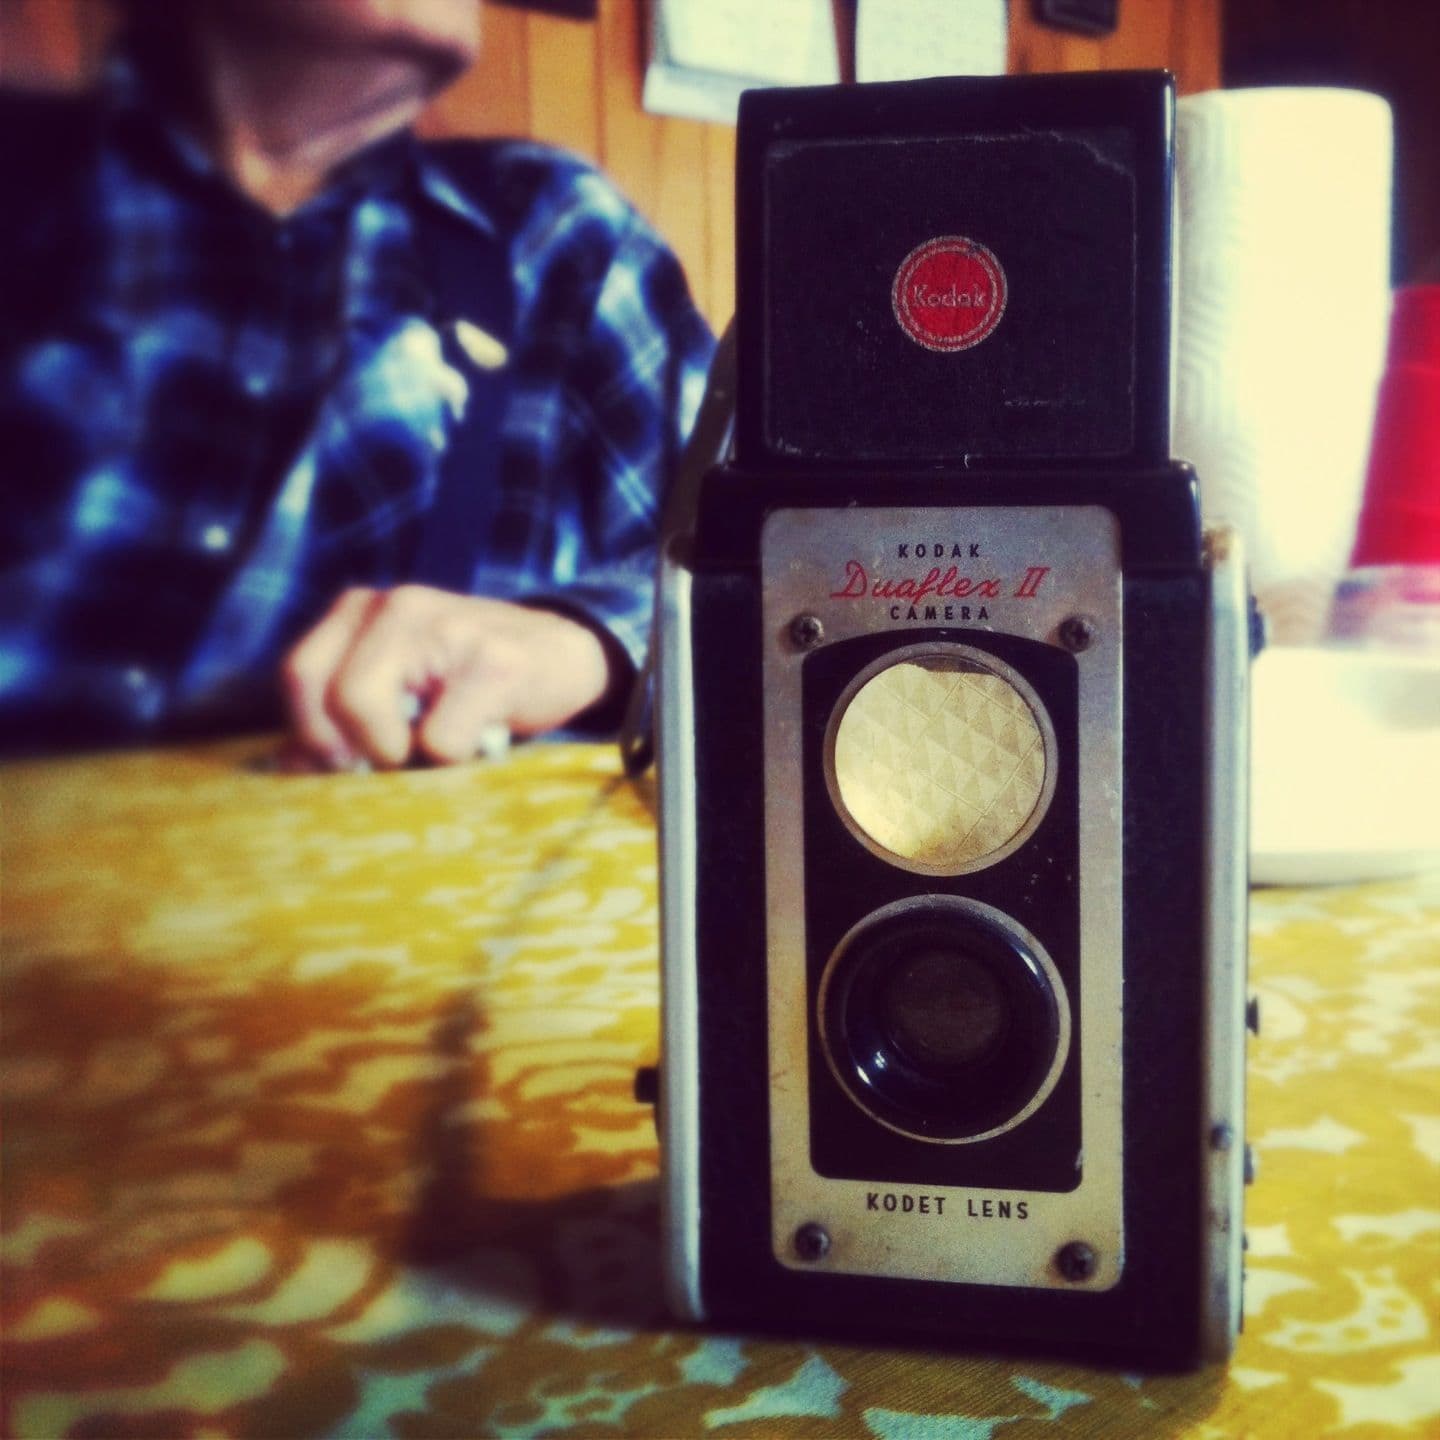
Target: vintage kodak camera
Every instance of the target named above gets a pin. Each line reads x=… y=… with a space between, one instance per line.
x=952 y=717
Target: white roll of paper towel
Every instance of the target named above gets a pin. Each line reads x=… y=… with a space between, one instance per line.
x=1283 y=297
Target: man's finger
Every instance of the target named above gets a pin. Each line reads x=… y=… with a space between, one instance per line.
x=466 y=719
x=369 y=698
x=309 y=669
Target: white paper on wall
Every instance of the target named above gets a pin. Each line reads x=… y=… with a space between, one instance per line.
x=703 y=53
x=913 y=39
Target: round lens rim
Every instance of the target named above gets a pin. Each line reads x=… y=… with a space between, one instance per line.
x=953 y=1109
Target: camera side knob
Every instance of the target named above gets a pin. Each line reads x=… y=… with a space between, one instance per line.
x=1257 y=627
x=647 y=1089
x=647 y=1085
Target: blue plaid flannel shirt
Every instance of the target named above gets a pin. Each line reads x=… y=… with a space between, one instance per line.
x=212 y=421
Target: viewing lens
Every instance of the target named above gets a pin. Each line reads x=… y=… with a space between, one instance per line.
x=940 y=762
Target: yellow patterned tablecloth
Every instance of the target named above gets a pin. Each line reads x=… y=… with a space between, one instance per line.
x=318 y=1121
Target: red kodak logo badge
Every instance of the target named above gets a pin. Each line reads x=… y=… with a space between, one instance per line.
x=949 y=293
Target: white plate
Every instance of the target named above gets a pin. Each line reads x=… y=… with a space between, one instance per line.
x=1345 y=765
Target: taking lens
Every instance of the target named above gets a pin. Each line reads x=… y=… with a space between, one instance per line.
x=940 y=1008
x=943 y=1019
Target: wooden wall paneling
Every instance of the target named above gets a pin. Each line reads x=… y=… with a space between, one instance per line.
x=628 y=136
x=493 y=96
x=1141 y=40
x=1179 y=35
x=563 y=62
x=1037 y=49
x=720 y=222
x=1195 y=45
x=42 y=43
x=682 y=203
x=657 y=161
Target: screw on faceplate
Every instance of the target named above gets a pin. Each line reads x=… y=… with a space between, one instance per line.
x=806 y=631
x=1077 y=632
x=1222 y=1137
x=1076 y=1261
x=812 y=1241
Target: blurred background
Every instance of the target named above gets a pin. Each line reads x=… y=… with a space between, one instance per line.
x=1306 y=206
x=578 y=82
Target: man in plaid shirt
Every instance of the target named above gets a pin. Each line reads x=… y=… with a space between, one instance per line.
x=294 y=408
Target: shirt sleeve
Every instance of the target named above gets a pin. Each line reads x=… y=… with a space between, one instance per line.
x=630 y=394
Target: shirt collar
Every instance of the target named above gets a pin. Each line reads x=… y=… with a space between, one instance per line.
x=437 y=186
x=140 y=94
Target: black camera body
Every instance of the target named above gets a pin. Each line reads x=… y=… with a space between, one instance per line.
x=952 y=750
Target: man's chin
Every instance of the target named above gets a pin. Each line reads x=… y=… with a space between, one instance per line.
x=443 y=35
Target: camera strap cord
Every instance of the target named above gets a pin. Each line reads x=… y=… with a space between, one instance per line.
x=708 y=446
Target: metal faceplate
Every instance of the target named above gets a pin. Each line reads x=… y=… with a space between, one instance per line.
x=1227 y=828
x=679 y=1115
x=909 y=572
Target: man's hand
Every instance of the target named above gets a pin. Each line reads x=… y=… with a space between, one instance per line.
x=388 y=674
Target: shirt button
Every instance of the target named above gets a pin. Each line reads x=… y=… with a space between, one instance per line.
x=146 y=699
x=216 y=539
x=256 y=384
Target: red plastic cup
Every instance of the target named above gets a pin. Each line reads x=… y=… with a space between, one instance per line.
x=1400 y=515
